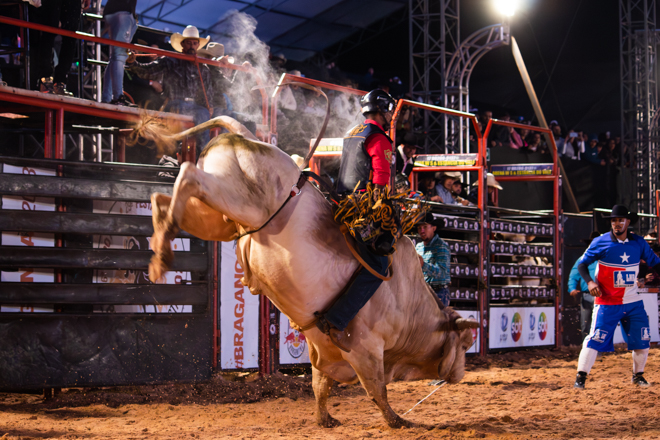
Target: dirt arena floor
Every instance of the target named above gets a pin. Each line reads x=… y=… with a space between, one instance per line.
x=509 y=396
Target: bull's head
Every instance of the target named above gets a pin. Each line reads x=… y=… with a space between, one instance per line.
x=458 y=341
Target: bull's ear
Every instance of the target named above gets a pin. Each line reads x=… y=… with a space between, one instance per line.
x=462 y=324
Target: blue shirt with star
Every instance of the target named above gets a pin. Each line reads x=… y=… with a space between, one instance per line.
x=618 y=266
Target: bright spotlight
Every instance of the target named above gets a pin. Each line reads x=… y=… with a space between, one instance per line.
x=507 y=7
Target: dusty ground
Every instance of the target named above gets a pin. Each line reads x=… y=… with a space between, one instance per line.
x=510 y=396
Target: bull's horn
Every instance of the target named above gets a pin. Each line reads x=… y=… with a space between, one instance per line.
x=462 y=323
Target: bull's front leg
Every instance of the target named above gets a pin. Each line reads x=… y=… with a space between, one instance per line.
x=322 y=384
x=371 y=372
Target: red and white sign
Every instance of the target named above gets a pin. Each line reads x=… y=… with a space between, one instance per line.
x=239 y=315
x=521 y=327
x=27 y=275
x=293 y=344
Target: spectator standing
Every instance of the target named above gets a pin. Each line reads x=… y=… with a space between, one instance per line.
x=51 y=13
x=536 y=144
x=145 y=92
x=591 y=153
x=434 y=257
x=570 y=149
x=576 y=286
x=405 y=154
x=187 y=86
x=556 y=133
x=121 y=22
x=516 y=140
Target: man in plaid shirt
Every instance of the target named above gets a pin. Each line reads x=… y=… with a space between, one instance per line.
x=434 y=257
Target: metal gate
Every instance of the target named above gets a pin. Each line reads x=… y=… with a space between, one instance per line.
x=76 y=306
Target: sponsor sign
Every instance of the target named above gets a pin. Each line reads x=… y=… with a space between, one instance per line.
x=27 y=275
x=239 y=315
x=328 y=145
x=472 y=314
x=445 y=160
x=533 y=169
x=624 y=278
x=110 y=276
x=651 y=307
x=293 y=344
x=521 y=327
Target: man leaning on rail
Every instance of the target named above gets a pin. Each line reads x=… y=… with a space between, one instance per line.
x=187 y=86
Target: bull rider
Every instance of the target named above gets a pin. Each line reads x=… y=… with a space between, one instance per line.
x=366 y=160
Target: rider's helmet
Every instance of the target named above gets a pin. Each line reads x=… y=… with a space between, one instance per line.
x=377 y=101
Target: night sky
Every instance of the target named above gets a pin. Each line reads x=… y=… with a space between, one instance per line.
x=578 y=38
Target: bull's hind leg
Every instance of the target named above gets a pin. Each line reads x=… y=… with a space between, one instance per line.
x=183 y=211
x=322 y=383
x=163 y=234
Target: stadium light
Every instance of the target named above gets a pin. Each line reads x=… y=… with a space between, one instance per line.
x=506 y=7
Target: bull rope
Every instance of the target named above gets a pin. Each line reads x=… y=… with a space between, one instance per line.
x=442 y=384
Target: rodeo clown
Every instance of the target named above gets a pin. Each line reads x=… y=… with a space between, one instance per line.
x=616 y=298
x=366 y=160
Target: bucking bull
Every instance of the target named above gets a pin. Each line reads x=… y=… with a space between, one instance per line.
x=301 y=262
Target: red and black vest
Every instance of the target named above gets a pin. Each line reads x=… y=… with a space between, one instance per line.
x=355 y=160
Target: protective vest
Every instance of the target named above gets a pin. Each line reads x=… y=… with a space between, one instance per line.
x=355 y=160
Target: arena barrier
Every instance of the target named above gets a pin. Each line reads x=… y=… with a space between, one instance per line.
x=76 y=306
x=537 y=273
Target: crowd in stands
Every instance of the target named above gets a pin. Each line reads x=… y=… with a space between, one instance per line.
x=601 y=149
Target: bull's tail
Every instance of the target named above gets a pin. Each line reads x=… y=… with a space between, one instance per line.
x=152 y=131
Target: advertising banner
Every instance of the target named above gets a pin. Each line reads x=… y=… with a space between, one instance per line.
x=472 y=314
x=27 y=275
x=530 y=169
x=445 y=160
x=110 y=276
x=521 y=327
x=293 y=345
x=239 y=315
x=651 y=307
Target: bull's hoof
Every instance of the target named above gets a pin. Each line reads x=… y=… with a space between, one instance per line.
x=156 y=269
x=327 y=422
x=398 y=423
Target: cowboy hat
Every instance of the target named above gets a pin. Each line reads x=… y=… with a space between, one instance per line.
x=452 y=174
x=411 y=139
x=620 y=211
x=212 y=50
x=189 y=33
x=490 y=181
x=429 y=219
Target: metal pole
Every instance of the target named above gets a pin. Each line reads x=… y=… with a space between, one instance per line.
x=541 y=117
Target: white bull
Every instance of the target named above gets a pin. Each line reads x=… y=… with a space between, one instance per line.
x=300 y=261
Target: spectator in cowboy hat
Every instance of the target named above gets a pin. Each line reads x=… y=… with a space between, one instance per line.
x=446 y=180
x=405 y=153
x=492 y=184
x=187 y=86
x=434 y=257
